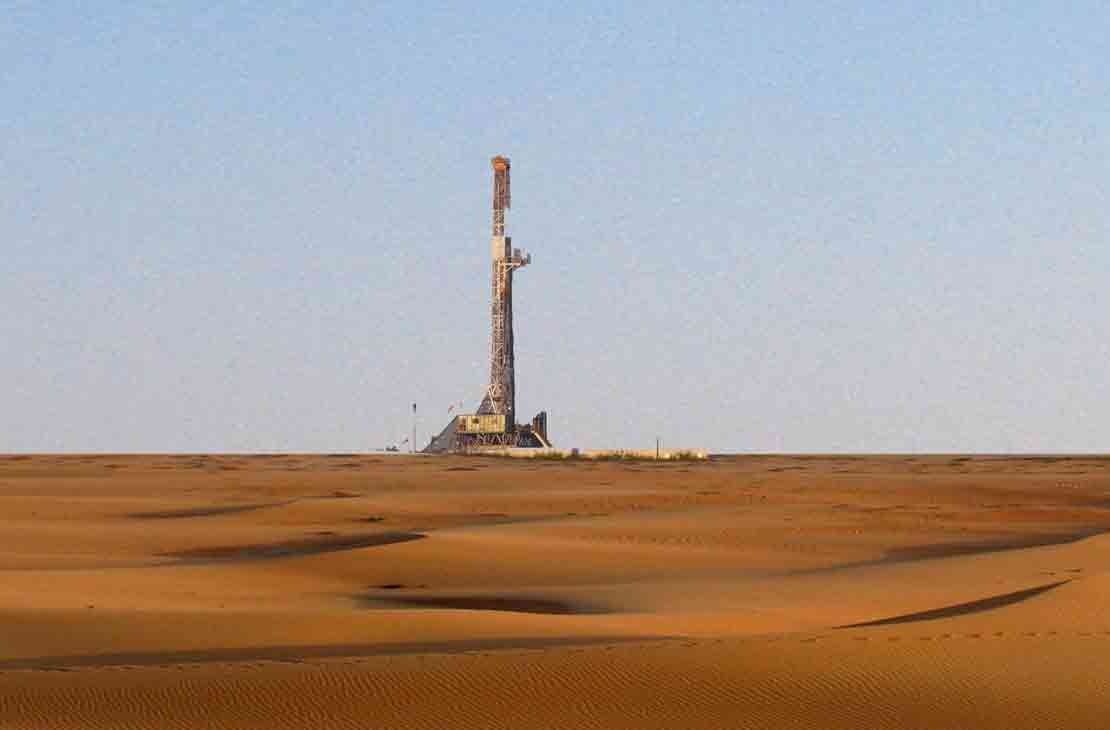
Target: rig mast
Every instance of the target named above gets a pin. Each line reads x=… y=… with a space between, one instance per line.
x=500 y=398
x=494 y=425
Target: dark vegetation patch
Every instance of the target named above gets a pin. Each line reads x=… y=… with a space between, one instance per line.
x=461 y=468
x=960 y=609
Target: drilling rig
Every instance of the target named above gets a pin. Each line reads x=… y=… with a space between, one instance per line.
x=494 y=424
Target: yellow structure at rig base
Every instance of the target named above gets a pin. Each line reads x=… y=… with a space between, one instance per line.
x=602 y=454
x=481 y=424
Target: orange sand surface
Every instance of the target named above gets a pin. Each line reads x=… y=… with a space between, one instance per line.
x=347 y=591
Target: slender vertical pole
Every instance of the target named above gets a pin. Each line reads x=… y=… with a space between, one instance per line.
x=657 y=448
x=413 y=446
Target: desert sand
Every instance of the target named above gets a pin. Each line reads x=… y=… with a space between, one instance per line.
x=362 y=591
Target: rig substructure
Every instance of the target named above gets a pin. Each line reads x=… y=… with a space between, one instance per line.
x=494 y=425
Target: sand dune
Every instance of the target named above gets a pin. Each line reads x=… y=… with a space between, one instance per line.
x=346 y=591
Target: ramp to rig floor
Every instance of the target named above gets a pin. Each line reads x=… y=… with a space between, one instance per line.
x=445 y=441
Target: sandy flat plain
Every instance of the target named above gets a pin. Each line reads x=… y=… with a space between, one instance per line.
x=407 y=592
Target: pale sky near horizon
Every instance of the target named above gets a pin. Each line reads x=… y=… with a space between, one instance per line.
x=837 y=227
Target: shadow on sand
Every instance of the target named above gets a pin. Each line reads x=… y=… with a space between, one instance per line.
x=960 y=609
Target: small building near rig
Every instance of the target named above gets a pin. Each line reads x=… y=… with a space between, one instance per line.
x=494 y=426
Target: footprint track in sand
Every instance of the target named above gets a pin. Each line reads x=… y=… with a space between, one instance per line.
x=974 y=636
x=247 y=659
x=253 y=657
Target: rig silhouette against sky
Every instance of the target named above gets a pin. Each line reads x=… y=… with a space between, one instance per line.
x=494 y=425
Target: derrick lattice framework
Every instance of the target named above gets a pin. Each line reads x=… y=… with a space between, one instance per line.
x=494 y=425
x=500 y=398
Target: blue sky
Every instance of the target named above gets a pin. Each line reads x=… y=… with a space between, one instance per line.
x=756 y=226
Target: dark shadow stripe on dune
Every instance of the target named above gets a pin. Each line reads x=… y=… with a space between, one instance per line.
x=960 y=609
x=513 y=604
x=177 y=514
x=940 y=551
x=296 y=653
x=292 y=548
